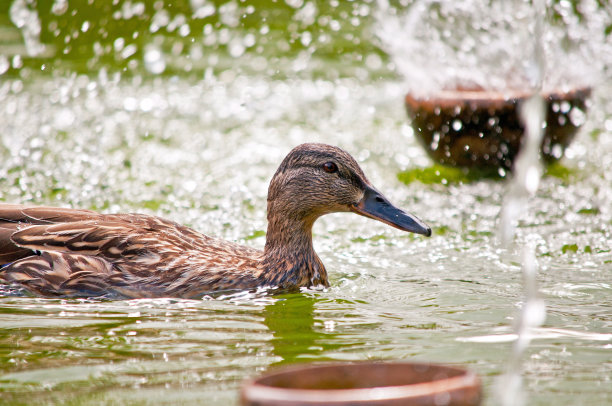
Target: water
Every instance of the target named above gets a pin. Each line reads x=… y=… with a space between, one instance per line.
x=197 y=142
x=479 y=44
x=524 y=182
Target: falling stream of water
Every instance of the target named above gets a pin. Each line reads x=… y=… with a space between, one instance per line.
x=527 y=172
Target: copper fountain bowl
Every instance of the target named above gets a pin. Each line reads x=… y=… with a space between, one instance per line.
x=366 y=384
x=482 y=129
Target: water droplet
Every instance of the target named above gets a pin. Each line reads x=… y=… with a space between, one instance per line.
x=130 y=104
x=306 y=38
x=118 y=44
x=555 y=107
x=184 y=30
x=59 y=7
x=128 y=51
x=202 y=8
x=373 y=61
x=4 y=64
x=236 y=48
x=249 y=40
x=160 y=19
x=562 y=120
x=295 y=3
x=577 y=116
x=565 y=106
x=457 y=125
x=557 y=151
x=64 y=119
x=146 y=104
x=435 y=141
x=229 y=14
x=17 y=86
x=307 y=14
x=154 y=60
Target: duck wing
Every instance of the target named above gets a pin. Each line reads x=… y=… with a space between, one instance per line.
x=14 y=217
x=129 y=255
x=66 y=275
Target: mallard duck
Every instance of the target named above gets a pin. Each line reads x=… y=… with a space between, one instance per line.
x=80 y=253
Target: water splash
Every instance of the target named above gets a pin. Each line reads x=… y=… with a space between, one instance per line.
x=442 y=44
x=154 y=60
x=26 y=19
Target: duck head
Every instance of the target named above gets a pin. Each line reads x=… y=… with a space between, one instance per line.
x=317 y=179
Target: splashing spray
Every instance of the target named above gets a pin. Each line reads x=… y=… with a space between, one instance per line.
x=25 y=17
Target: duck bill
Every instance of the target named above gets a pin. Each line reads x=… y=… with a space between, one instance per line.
x=376 y=206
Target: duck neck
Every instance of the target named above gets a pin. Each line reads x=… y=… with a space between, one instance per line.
x=289 y=257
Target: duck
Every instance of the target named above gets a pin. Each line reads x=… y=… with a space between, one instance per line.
x=70 y=253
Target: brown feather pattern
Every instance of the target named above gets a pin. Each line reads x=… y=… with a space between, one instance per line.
x=70 y=253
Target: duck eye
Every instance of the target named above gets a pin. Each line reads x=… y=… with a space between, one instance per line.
x=330 y=167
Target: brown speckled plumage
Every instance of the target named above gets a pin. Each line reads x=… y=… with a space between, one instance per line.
x=80 y=253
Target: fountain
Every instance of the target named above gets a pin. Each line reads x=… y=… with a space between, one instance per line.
x=467 y=69
x=505 y=97
x=481 y=129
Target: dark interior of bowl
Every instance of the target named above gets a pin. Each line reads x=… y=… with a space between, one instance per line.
x=353 y=376
x=480 y=129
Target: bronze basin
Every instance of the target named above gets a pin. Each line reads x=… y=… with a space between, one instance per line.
x=364 y=383
x=482 y=129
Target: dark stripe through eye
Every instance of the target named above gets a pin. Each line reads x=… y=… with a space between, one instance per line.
x=330 y=167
